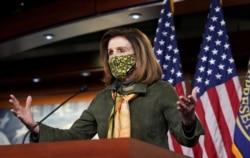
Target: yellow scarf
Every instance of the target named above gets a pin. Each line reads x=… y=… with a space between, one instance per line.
x=119 y=121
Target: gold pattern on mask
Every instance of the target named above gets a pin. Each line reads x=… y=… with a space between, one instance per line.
x=120 y=65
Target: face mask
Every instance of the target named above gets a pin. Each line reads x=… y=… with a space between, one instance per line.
x=121 y=66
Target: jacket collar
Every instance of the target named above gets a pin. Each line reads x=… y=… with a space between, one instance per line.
x=128 y=88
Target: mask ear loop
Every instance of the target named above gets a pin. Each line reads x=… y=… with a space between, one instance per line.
x=131 y=69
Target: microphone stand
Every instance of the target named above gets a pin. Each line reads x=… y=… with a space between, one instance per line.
x=82 y=89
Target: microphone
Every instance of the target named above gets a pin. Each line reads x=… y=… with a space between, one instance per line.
x=82 y=89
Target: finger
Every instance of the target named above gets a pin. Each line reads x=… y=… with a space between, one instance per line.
x=193 y=97
x=28 y=101
x=14 y=102
x=194 y=93
x=192 y=100
x=182 y=106
x=13 y=111
x=179 y=109
x=182 y=109
x=16 y=113
x=13 y=99
x=184 y=100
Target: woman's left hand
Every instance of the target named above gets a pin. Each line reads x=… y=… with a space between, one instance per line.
x=186 y=107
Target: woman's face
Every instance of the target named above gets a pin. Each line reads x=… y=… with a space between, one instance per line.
x=121 y=58
x=118 y=46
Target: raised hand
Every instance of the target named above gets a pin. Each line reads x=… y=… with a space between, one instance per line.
x=186 y=107
x=24 y=114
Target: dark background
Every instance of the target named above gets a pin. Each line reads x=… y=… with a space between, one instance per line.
x=78 y=26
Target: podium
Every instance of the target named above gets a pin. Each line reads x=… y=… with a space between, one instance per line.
x=99 y=148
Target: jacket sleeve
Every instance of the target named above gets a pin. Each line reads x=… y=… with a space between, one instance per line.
x=174 y=120
x=83 y=128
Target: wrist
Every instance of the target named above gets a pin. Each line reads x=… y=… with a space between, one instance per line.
x=34 y=127
x=189 y=121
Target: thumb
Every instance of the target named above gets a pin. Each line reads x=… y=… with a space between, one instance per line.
x=28 y=101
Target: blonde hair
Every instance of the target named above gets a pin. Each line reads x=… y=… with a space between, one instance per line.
x=148 y=69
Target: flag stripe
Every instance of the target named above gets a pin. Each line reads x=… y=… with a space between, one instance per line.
x=201 y=152
x=223 y=130
x=233 y=86
x=179 y=88
x=230 y=112
x=177 y=148
x=197 y=149
x=187 y=151
x=209 y=147
x=170 y=143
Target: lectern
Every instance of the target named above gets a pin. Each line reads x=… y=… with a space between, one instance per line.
x=100 y=148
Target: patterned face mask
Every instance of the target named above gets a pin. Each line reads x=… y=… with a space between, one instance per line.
x=121 y=66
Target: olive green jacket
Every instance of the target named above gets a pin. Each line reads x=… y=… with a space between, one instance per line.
x=153 y=113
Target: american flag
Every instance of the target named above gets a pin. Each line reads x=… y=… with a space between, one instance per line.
x=167 y=53
x=165 y=48
x=219 y=88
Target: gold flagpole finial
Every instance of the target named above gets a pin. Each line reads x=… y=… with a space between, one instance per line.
x=172 y=5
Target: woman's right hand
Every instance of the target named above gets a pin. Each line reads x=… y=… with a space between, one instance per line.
x=23 y=113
